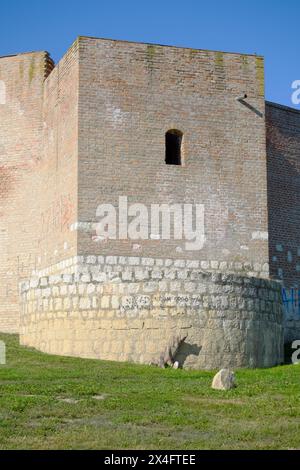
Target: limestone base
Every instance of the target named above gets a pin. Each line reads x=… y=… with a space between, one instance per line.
x=131 y=314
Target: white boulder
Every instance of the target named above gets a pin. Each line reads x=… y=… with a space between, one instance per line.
x=224 y=380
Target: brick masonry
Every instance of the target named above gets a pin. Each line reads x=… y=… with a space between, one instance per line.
x=130 y=95
x=283 y=158
x=92 y=129
x=20 y=153
x=283 y=170
x=38 y=170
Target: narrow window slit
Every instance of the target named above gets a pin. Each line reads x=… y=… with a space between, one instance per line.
x=173 y=147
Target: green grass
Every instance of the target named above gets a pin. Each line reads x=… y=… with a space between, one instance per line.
x=47 y=402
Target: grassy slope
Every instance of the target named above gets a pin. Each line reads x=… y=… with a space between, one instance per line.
x=143 y=407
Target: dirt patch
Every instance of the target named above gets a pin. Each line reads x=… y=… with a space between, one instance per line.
x=217 y=401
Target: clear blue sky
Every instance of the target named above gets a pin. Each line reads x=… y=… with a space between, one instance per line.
x=266 y=27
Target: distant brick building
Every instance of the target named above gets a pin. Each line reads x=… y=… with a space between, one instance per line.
x=97 y=127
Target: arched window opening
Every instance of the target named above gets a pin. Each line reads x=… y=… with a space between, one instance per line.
x=173 y=147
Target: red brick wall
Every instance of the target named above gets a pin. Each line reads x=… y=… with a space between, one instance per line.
x=20 y=151
x=283 y=157
x=94 y=130
x=38 y=170
x=58 y=170
x=130 y=94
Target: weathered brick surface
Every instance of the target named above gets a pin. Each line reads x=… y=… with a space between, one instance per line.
x=93 y=129
x=20 y=153
x=130 y=95
x=283 y=164
x=283 y=152
x=58 y=171
x=38 y=170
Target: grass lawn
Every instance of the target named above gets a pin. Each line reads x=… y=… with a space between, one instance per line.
x=54 y=402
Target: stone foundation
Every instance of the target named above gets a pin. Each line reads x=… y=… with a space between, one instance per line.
x=130 y=312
